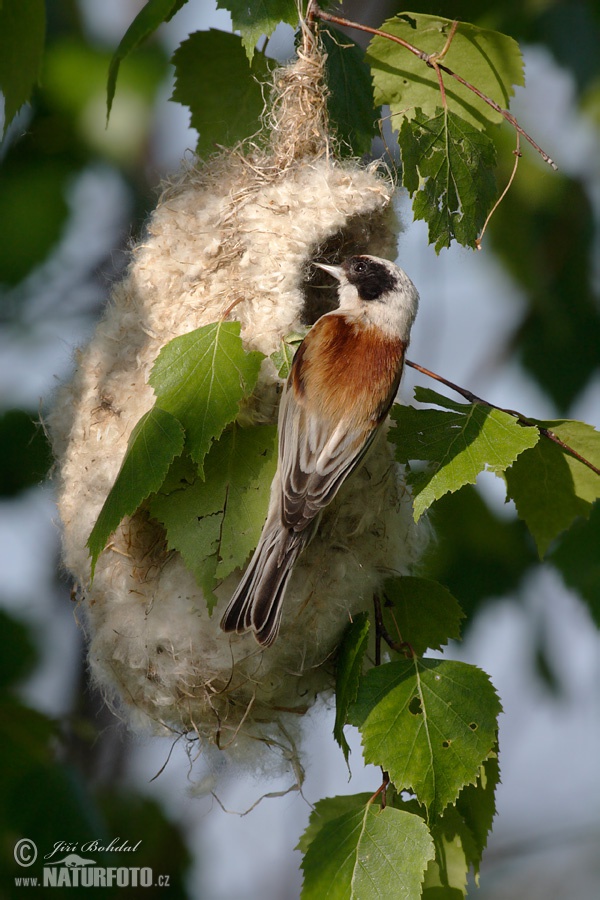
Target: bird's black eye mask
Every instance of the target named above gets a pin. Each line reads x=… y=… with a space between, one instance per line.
x=371 y=279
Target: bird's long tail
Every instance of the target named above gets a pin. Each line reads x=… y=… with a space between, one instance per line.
x=256 y=604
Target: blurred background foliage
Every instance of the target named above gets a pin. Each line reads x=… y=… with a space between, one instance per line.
x=63 y=775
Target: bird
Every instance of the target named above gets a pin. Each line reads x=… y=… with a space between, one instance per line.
x=342 y=382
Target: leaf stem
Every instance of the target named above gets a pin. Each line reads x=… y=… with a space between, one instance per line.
x=522 y=420
x=518 y=154
x=431 y=60
x=381 y=790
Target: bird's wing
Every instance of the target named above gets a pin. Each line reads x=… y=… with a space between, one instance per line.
x=329 y=417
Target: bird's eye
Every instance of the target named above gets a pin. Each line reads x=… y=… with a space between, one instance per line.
x=360 y=267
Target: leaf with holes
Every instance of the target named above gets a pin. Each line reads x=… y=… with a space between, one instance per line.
x=429 y=723
x=459 y=442
x=367 y=852
x=157 y=439
x=421 y=612
x=153 y=14
x=223 y=92
x=253 y=20
x=549 y=486
x=490 y=61
x=215 y=523
x=447 y=167
x=347 y=674
x=201 y=378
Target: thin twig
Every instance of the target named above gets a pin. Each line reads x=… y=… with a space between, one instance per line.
x=431 y=59
x=518 y=154
x=522 y=420
x=435 y=58
x=382 y=632
x=382 y=789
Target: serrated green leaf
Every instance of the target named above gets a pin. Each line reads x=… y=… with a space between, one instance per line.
x=476 y=804
x=201 y=377
x=549 y=486
x=153 y=444
x=153 y=14
x=253 y=20
x=347 y=674
x=215 y=523
x=327 y=809
x=22 y=36
x=352 y=112
x=424 y=612
x=447 y=166
x=371 y=852
x=460 y=834
x=460 y=441
x=489 y=60
x=429 y=723
x=223 y=92
x=578 y=560
x=446 y=875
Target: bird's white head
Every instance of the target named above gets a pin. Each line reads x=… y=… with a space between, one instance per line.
x=379 y=290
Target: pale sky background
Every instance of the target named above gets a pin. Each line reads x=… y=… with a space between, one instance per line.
x=550 y=791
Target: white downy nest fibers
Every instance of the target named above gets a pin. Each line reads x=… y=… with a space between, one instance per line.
x=241 y=229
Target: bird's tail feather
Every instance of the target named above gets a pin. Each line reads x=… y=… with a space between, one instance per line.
x=256 y=604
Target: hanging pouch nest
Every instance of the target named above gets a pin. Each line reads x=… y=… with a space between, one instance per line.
x=234 y=239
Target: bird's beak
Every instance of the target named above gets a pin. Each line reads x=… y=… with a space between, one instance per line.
x=336 y=271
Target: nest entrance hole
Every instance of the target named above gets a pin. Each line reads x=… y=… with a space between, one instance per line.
x=364 y=233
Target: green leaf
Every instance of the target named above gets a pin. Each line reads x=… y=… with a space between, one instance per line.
x=578 y=560
x=22 y=35
x=446 y=875
x=447 y=166
x=429 y=723
x=460 y=441
x=327 y=809
x=347 y=674
x=215 y=523
x=352 y=112
x=153 y=444
x=490 y=61
x=253 y=20
x=370 y=852
x=283 y=358
x=153 y=14
x=223 y=93
x=424 y=612
x=476 y=804
x=549 y=486
x=201 y=377
x=460 y=834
